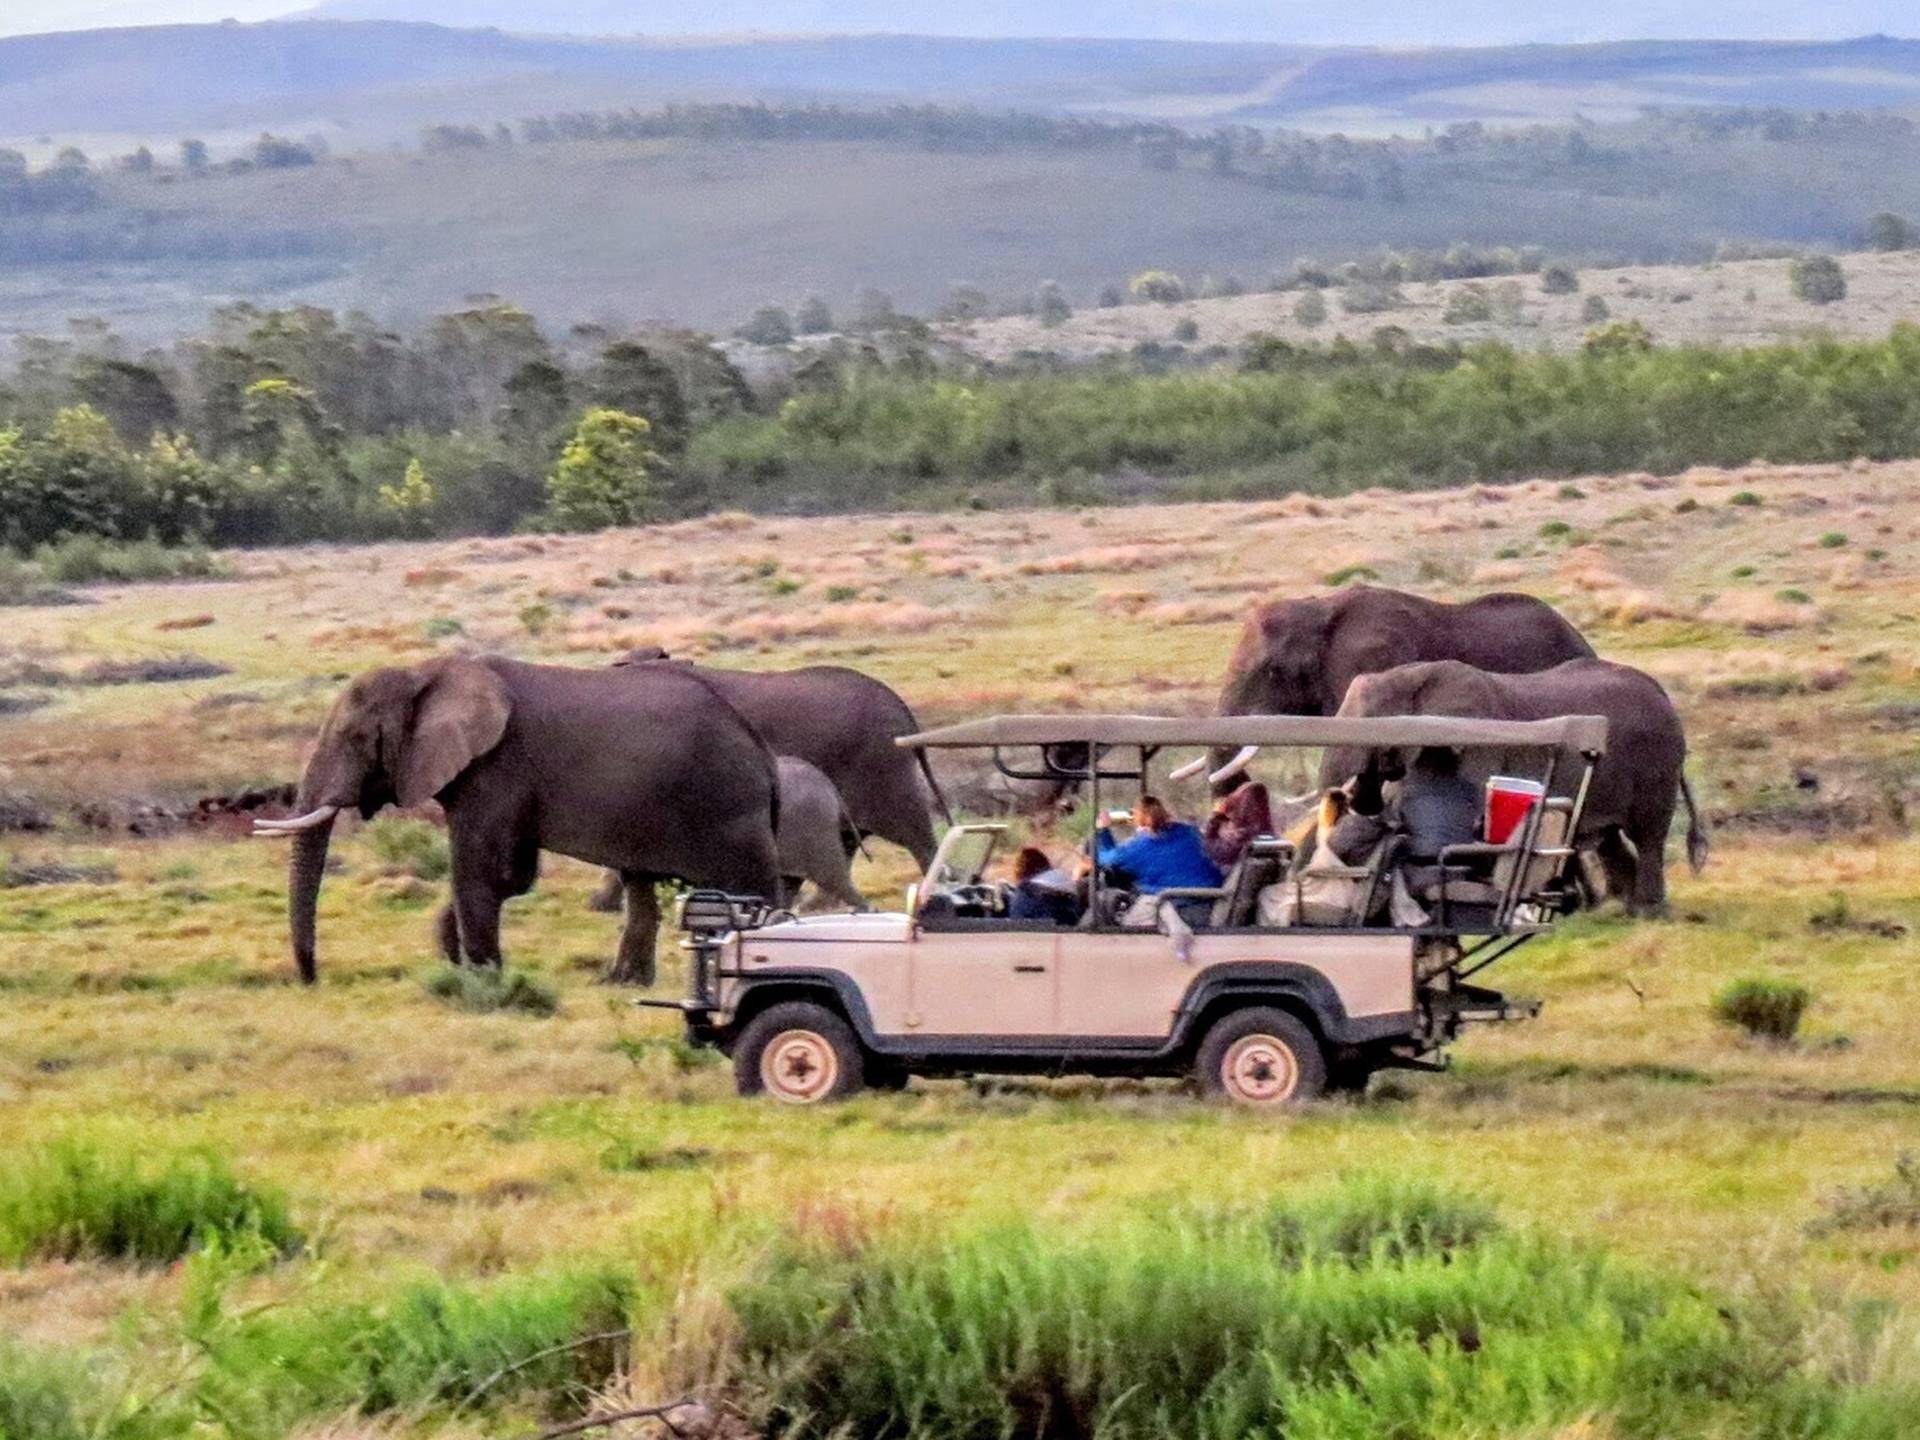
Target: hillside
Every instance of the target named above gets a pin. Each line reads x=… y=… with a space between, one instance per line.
x=1735 y=302
x=370 y=82
x=701 y=228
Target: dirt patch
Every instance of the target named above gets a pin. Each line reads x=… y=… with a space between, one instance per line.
x=22 y=874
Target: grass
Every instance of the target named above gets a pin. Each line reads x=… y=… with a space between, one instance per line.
x=411 y=847
x=1883 y=1204
x=487 y=992
x=85 y=560
x=1764 y=1009
x=71 y=1200
x=1367 y=1318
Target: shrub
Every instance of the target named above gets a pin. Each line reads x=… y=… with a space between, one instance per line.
x=605 y=476
x=1884 y=1205
x=1791 y=596
x=1560 y=280
x=1186 y=329
x=1594 y=310
x=1050 y=305
x=1743 y=497
x=1160 y=286
x=71 y=1200
x=769 y=325
x=1468 y=305
x=90 y=560
x=1368 y=297
x=1887 y=231
x=411 y=847
x=1818 y=280
x=1310 y=309
x=1349 y=573
x=1555 y=530
x=813 y=317
x=1765 y=1009
x=1832 y=540
x=55 y=1395
x=488 y=992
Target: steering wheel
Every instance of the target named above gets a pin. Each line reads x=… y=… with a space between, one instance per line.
x=978 y=896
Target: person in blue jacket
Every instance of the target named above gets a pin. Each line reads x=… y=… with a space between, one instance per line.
x=1165 y=854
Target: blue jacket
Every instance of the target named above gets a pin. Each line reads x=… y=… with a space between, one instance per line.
x=1170 y=858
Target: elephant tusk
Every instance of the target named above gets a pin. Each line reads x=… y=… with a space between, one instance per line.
x=271 y=829
x=1188 y=770
x=1234 y=766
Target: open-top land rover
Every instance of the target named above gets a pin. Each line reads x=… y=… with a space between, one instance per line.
x=812 y=1008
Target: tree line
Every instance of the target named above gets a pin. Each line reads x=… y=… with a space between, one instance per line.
x=296 y=425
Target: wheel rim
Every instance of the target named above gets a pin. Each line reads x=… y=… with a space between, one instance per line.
x=1260 y=1070
x=799 y=1067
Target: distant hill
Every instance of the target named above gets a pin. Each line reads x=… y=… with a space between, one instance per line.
x=1308 y=22
x=372 y=82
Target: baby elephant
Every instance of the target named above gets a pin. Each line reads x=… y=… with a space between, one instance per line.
x=815 y=837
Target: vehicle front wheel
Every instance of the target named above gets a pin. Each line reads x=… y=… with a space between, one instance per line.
x=1262 y=1056
x=800 y=1054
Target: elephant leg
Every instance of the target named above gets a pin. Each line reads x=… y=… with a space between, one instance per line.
x=607 y=899
x=1649 y=894
x=483 y=879
x=634 y=965
x=477 y=903
x=1619 y=864
x=447 y=933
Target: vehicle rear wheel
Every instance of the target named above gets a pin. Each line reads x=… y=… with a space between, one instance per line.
x=800 y=1053
x=1264 y=1057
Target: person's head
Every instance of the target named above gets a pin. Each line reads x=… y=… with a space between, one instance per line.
x=1028 y=863
x=1150 y=815
x=1436 y=762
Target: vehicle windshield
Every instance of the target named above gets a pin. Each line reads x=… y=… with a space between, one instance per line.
x=964 y=858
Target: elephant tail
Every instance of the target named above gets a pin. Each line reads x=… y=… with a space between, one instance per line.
x=1697 y=843
x=939 y=797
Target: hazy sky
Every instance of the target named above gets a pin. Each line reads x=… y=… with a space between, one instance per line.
x=1348 y=21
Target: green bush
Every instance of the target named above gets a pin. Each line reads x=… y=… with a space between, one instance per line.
x=557 y=1338
x=1765 y=1009
x=411 y=847
x=1743 y=497
x=1818 y=280
x=55 y=1395
x=1832 y=540
x=90 y=560
x=72 y=1200
x=486 y=992
x=1372 y=1311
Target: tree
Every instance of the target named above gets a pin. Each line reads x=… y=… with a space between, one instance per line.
x=1051 y=305
x=813 y=317
x=1111 y=297
x=1158 y=286
x=536 y=404
x=604 y=476
x=275 y=152
x=411 y=501
x=193 y=156
x=1559 y=280
x=769 y=325
x=1887 y=231
x=135 y=397
x=964 y=302
x=1818 y=280
x=873 y=310
x=1310 y=309
x=140 y=162
x=631 y=379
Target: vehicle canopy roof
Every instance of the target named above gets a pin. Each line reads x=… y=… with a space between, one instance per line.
x=1585 y=733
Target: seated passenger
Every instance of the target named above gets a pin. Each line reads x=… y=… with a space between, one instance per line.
x=1042 y=891
x=1237 y=819
x=1438 y=805
x=1165 y=855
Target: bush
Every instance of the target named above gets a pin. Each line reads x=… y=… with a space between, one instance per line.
x=488 y=992
x=90 y=560
x=50 y=1395
x=1310 y=309
x=410 y=847
x=1832 y=540
x=72 y=1200
x=1743 y=497
x=1560 y=280
x=1595 y=311
x=769 y=325
x=1884 y=1205
x=1158 y=286
x=1186 y=330
x=1765 y=1009
x=1887 y=231
x=1468 y=305
x=1818 y=280
x=1372 y=1311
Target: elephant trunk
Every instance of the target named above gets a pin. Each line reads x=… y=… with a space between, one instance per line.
x=304 y=871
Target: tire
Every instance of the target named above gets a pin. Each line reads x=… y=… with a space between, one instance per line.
x=1261 y=1057
x=799 y=1053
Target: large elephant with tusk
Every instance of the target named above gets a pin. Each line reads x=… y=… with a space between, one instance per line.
x=1298 y=657
x=651 y=775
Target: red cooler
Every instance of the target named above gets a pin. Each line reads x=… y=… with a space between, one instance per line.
x=1508 y=802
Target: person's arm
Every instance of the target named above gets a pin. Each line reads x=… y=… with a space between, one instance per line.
x=1119 y=858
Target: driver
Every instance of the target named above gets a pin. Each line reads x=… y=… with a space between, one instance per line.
x=1041 y=891
x=1165 y=854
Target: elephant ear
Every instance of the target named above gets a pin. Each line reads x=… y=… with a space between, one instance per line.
x=461 y=715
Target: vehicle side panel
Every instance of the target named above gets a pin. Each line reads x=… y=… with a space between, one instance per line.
x=984 y=984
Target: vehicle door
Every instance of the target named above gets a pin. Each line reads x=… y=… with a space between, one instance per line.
x=1118 y=984
x=973 y=975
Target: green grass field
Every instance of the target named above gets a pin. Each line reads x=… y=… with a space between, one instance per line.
x=147 y=1006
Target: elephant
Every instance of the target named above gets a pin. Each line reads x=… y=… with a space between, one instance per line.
x=1630 y=804
x=816 y=837
x=842 y=722
x=1298 y=657
x=650 y=774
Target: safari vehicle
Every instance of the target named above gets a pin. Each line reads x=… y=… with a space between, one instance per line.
x=814 y=1008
